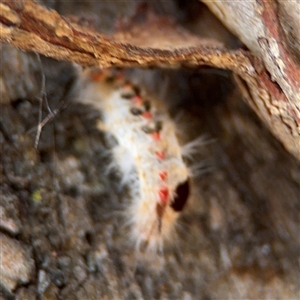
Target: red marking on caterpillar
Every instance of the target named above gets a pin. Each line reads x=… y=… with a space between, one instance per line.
x=164 y=195
x=119 y=77
x=148 y=154
x=127 y=89
x=160 y=154
x=138 y=100
x=147 y=115
x=97 y=76
x=156 y=136
x=127 y=85
x=163 y=175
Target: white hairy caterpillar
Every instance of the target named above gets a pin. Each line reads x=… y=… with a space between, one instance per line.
x=148 y=154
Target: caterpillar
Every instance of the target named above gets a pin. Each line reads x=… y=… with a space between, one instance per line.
x=148 y=154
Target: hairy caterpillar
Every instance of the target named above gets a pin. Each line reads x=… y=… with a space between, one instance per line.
x=148 y=153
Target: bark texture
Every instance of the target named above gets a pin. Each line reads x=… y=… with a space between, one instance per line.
x=270 y=29
x=61 y=214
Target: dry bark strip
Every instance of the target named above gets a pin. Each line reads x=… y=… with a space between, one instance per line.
x=270 y=29
x=31 y=27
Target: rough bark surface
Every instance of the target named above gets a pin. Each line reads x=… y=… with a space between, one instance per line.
x=270 y=29
x=62 y=230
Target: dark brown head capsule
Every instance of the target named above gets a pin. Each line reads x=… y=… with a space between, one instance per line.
x=182 y=194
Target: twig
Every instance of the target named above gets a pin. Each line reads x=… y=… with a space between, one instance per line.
x=31 y=27
x=41 y=100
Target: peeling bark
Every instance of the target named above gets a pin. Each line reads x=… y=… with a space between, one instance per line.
x=262 y=27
